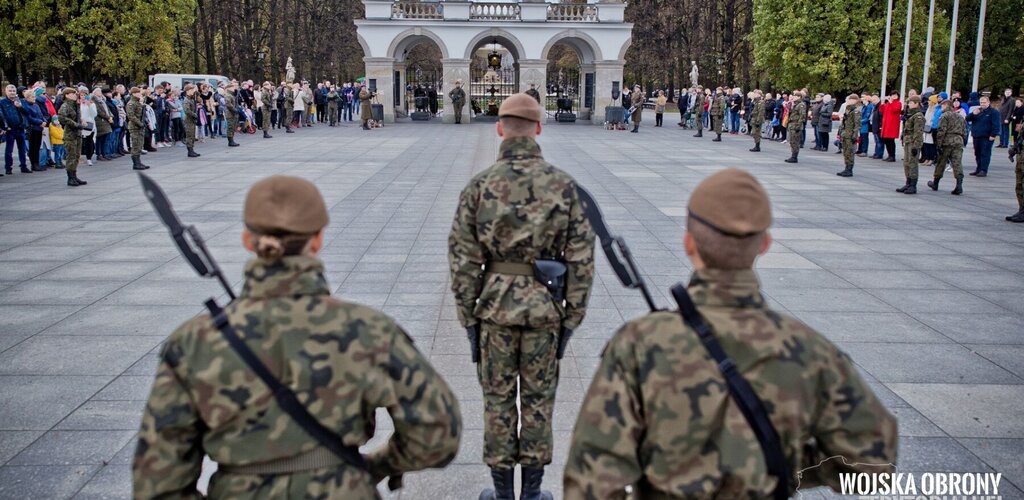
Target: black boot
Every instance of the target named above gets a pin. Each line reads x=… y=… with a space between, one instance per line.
x=718 y=138
x=934 y=184
x=1017 y=217
x=266 y=134
x=911 y=187
x=959 y=189
x=36 y=167
x=137 y=163
x=232 y=143
x=25 y=170
x=700 y=133
x=791 y=159
x=531 y=485
x=756 y=148
x=504 y=486
x=848 y=172
x=636 y=128
x=192 y=153
x=78 y=180
x=904 y=188
x=72 y=180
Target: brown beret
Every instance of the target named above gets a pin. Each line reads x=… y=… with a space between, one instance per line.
x=732 y=203
x=283 y=204
x=915 y=98
x=521 y=106
x=855 y=97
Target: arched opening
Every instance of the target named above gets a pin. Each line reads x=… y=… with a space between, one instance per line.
x=493 y=73
x=571 y=77
x=418 y=75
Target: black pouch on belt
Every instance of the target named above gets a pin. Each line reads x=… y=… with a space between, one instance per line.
x=551 y=274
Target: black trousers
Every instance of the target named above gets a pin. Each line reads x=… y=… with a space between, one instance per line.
x=659 y=118
x=823 y=140
x=88 y=146
x=890 y=147
x=35 y=139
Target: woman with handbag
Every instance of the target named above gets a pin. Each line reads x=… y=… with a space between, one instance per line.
x=88 y=114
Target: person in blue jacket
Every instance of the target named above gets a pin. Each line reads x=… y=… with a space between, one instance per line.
x=12 y=107
x=35 y=122
x=985 y=124
x=865 y=124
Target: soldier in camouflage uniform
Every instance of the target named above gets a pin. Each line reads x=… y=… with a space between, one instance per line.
x=1018 y=150
x=191 y=119
x=343 y=361
x=913 y=140
x=698 y=111
x=718 y=106
x=756 y=119
x=134 y=113
x=231 y=111
x=266 y=98
x=289 y=104
x=636 y=100
x=533 y=92
x=518 y=210
x=658 y=415
x=950 y=141
x=70 y=118
x=795 y=125
x=849 y=132
x=458 y=97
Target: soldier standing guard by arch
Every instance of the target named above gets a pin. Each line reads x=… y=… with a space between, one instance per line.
x=518 y=222
x=458 y=97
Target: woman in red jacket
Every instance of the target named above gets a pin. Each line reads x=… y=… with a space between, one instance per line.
x=892 y=111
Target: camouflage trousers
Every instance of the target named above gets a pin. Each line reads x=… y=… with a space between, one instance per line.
x=793 y=134
x=72 y=150
x=698 y=121
x=265 y=124
x=755 y=132
x=457 y=110
x=950 y=155
x=909 y=163
x=136 y=140
x=190 y=133
x=332 y=112
x=849 y=150
x=1019 y=169
x=716 y=124
x=508 y=353
x=232 y=127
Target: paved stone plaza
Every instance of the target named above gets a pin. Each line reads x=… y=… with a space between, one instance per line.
x=925 y=292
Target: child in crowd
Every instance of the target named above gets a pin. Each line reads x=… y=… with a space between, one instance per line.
x=57 y=141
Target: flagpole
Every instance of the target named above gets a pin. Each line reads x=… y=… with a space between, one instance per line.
x=906 y=50
x=928 y=46
x=977 y=48
x=885 y=53
x=952 y=49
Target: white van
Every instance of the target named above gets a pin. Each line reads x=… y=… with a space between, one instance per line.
x=179 y=80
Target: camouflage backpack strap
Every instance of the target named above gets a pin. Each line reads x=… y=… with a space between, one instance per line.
x=742 y=393
x=285 y=398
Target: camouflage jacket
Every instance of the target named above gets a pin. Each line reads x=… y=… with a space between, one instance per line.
x=913 y=129
x=658 y=414
x=135 y=111
x=757 y=112
x=343 y=360
x=850 y=129
x=289 y=100
x=267 y=103
x=69 y=116
x=698 y=104
x=520 y=209
x=191 y=111
x=457 y=95
x=952 y=128
x=797 y=115
x=230 y=106
x=719 y=105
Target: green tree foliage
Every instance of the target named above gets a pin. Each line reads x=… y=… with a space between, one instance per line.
x=1002 y=64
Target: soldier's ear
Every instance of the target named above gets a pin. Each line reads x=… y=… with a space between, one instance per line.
x=539 y=128
x=316 y=243
x=247 y=240
x=766 y=243
x=500 y=129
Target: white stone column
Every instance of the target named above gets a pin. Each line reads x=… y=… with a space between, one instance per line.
x=381 y=69
x=606 y=72
x=455 y=69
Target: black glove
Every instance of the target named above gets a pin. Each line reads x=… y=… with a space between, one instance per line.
x=914 y=152
x=563 y=342
x=473 y=334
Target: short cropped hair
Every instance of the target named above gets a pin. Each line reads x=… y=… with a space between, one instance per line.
x=518 y=127
x=720 y=251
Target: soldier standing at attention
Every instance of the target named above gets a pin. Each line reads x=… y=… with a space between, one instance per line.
x=342 y=360
x=698 y=111
x=1017 y=150
x=659 y=415
x=289 y=103
x=950 y=141
x=267 y=101
x=795 y=125
x=365 y=111
x=458 y=97
x=534 y=93
x=191 y=118
x=756 y=119
x=849 y=132
x=718 y=114
x=231 y=111
x=913 y=140
x=512 y=214
x=134 y=112
x=636 y=99
x=70 y=117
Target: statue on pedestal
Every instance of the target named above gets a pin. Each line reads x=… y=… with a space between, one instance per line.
x=289 y=69
x=694 y=73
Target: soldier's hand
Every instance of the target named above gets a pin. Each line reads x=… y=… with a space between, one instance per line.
x=563 y=342
x=913 y=152
x=473 y=334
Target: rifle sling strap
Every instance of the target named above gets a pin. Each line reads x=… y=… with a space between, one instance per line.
x=285 y=398
x=741 y=392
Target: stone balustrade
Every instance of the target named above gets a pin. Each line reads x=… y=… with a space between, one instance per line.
x=480 y=11
x=579 y=13
x=411 y=9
